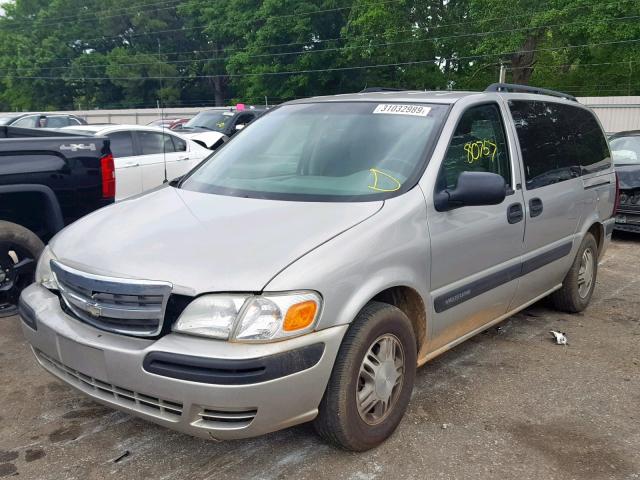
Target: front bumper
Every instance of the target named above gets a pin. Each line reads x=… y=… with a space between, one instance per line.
x=109 y=368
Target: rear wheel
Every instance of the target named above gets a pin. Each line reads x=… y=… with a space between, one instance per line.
x=577 y=288
x=372 y=380
x=19 y=252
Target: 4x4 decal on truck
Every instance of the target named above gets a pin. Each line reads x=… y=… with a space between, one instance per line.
x=74 y=147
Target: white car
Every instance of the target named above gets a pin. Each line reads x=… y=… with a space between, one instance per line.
x=141 y=153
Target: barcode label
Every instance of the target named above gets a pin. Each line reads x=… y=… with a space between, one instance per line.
x=396 y=109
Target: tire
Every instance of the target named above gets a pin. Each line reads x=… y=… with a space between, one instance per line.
x=20 y=249
x=574 y=296
x=339 y=420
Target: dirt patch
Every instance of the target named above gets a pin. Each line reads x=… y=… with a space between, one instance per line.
x=34 y=454
x=7 y=456
x=574 y=449
x=7 y=469
x=65 y=434
x=87 y=413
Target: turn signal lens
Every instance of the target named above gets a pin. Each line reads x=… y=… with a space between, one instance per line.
x=300 y=316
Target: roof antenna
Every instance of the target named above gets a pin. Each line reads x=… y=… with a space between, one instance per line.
x=164 y=140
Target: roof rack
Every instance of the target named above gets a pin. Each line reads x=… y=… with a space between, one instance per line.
x=381 y=89
x=513 y=88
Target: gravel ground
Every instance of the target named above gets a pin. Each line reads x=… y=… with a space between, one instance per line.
x=506 y=404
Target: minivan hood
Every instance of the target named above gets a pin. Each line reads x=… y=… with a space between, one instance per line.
x=203 y=242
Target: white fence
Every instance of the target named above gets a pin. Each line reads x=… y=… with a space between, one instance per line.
x=615 y=113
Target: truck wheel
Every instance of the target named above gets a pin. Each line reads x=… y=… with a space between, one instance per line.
x=19 y=252
x=578 y=285
x=372 y=380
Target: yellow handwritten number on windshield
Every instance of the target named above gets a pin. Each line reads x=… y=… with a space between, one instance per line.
x=376 y=178
x=479 y=150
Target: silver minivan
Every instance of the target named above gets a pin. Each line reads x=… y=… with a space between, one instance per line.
x=308 y=267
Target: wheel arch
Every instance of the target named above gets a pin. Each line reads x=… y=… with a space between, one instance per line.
x=597 y=230
x=52 y=212
x=411 y=303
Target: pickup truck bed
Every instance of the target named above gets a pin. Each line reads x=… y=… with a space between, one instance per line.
x=48 y=179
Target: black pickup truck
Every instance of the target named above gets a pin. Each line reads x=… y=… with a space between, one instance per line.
x=48 y=179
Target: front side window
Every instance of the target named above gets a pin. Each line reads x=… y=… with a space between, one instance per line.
x=479 y=144
x=626 y=150
x=26 y=122
x=558 y=142
x=342 y=151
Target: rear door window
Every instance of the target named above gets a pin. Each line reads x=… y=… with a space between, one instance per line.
x=558 y=142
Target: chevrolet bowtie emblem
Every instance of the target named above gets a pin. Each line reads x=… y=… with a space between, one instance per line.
x=94 y=310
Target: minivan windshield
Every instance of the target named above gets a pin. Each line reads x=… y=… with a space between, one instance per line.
x=211 y=120
x=626 y=150
x=338 y=151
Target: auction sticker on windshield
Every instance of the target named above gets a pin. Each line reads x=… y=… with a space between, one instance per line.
x=396 y=109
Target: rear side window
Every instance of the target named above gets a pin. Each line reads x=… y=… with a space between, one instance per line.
x=558 y=142
x=121 y=144
x=478 y=145
x=179 y=144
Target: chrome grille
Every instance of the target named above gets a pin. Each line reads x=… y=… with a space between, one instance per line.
x=158 y=407
x=131 y=307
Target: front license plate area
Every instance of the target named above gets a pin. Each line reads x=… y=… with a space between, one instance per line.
x=84 y=359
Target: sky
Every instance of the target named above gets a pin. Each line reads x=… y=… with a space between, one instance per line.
x=1 y=10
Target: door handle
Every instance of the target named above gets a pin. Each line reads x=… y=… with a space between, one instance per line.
x=515 y=213
x=535 y=207
x=129 y=165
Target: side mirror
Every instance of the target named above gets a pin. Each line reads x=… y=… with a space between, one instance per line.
x=239 y=127
x=473 y=189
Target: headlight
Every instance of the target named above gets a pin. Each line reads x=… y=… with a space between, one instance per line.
x=44 y=276
x=250 y=318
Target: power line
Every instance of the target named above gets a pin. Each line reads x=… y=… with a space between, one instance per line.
x=335 y=69
x=577 y=65
x=247 y=21
x=87 y=14
x=348 y=47
x=318 y=41
x=314 y=12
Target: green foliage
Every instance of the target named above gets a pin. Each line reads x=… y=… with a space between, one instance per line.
x=63 y=54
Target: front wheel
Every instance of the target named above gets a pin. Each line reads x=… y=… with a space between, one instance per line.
x=372 y=380
x=578 y=285
x=19 y=252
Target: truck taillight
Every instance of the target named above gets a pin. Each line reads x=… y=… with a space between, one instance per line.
x=108 y=172
x=616 y=205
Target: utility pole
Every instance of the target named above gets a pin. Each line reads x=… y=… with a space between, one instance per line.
x=503 y=74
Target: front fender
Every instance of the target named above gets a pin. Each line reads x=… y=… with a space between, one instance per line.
x=389 y=249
